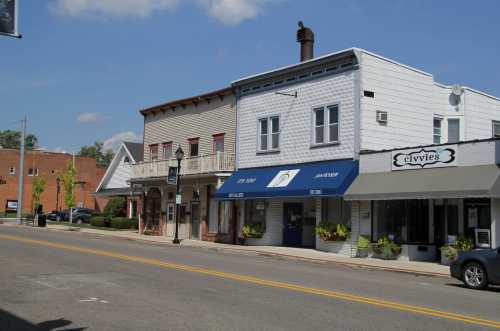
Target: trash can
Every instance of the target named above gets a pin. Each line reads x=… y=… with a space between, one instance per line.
x=42 y=221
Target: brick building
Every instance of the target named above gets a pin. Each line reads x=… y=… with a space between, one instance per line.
x=48 y=165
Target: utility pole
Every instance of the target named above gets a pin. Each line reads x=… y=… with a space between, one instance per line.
x=71 y=209
x=20 y=189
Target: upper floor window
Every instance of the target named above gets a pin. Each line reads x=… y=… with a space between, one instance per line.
x=31 y=172
x=36 y=172
x=453 y=130
x=153 y=152
x=12 y=170
x=326 y=125
x=126 y=159
x=218 y=143
x=496 y=129
x=269 y=134
x=167 y=151
x=437 y=130
x=194 y=147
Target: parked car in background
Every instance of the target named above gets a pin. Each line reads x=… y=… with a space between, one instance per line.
x=80 y=215
x=55 y=215
x=477 y=268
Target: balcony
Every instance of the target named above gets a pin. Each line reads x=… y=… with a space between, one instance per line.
x=201 y=165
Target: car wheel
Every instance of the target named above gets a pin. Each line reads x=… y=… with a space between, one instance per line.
x=474 y=276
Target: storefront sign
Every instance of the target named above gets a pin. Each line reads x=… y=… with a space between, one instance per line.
x=178 y=199
x=172 y=175
x=283 y=178
x=427 y=157
x=11 y=205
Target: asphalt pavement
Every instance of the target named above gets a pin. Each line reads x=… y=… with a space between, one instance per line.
x=73 y=281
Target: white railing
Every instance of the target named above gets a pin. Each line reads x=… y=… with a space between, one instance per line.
x=219 y=162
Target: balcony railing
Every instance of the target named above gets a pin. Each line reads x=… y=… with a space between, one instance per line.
x=219 y=162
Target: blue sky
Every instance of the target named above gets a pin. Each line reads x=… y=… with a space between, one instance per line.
x=85 y=67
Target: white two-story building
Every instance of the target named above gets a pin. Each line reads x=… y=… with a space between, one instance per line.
x=301 y=128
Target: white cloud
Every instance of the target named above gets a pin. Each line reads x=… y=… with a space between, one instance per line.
x=116 y=140
x=233 y=12
x=230 y=12
x=133 y=8
x=90 y=118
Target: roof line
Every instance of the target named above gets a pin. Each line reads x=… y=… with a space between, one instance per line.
x=190 y=100
x=111 y=163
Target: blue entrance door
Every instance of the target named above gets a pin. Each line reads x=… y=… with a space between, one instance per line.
x=292 y=227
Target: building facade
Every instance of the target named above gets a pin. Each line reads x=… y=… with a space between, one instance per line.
x=48 y=165
x=310 y=120
x=428 y=196
x=116 y=180
x=204 y=127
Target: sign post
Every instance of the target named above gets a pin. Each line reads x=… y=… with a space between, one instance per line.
x=8 y=18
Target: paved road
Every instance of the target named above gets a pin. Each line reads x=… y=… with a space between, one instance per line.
x=70 y=281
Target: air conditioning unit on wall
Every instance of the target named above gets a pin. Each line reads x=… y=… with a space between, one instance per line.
x=382 y=116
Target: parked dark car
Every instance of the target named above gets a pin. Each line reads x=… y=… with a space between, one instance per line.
x=80 y=215
x=55 y=216
x=477 y=268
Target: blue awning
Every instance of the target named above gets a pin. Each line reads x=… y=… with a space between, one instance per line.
x=331 y=178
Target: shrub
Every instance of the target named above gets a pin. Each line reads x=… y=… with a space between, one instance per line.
x=123 y=223
x=253 y=231
x=386 y=248
x=463 y=244
x=363 y=244
x=99 y=221
x=116 y=207
x=330 y=231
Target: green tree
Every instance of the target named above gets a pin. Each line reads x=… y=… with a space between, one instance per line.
x=96 y=151
x=38 y=187
x=116 y=207
x=68 y=180
x=12 y=139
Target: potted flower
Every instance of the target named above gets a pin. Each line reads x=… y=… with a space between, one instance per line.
x=450 y=252
x=333 y=237
x=254 y=230
x=363 y=247
x=386 y=249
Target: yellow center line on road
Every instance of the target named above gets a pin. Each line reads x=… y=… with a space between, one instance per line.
x=265 y=282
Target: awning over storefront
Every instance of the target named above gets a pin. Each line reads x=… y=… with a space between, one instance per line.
x=453 y=182
x=303 y=180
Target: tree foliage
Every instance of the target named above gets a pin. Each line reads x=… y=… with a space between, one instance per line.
x=12 y=139
x=68 y=180
x=116 y=207
x=96 y=151
x=38 y=187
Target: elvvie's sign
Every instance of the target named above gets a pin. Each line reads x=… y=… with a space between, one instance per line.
x=425 y=157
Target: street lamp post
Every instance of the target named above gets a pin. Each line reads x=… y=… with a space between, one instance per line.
x=58 y=189
x=179 y=155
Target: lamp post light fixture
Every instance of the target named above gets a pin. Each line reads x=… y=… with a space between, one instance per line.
x=179 y=155
x=58 y=189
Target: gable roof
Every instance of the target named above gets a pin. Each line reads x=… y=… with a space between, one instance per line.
x=136 y=150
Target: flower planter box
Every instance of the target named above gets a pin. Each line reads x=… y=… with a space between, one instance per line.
x=253 y=241
x=338 y=247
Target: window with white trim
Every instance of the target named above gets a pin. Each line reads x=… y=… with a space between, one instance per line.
x=170 y=212
x=437 y=130
x=326 y=125
x=167 y=151
x=269 y=134
x=496 y=129
x=453 y=130
x=31 y=171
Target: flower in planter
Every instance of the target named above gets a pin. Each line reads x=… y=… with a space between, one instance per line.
x=363 y=246
x=329 y=231
x=386 y=248
x=253 y=231
x=462 y=244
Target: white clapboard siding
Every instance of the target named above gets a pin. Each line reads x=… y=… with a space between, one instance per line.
x=201 y=121
x=120 y=173
x=296 y=121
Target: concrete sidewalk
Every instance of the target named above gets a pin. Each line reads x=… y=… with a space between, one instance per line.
x=417 y=268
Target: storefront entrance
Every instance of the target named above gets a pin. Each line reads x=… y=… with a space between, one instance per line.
x=195 y=220
x=152 y=211
x=292 y=226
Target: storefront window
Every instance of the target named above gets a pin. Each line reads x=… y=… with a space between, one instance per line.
x=404 y=221
x=477 y=215
x=335 y=210
x=255 y=212
x=224 y=216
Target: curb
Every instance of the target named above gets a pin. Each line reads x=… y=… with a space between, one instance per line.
x=261 y=253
